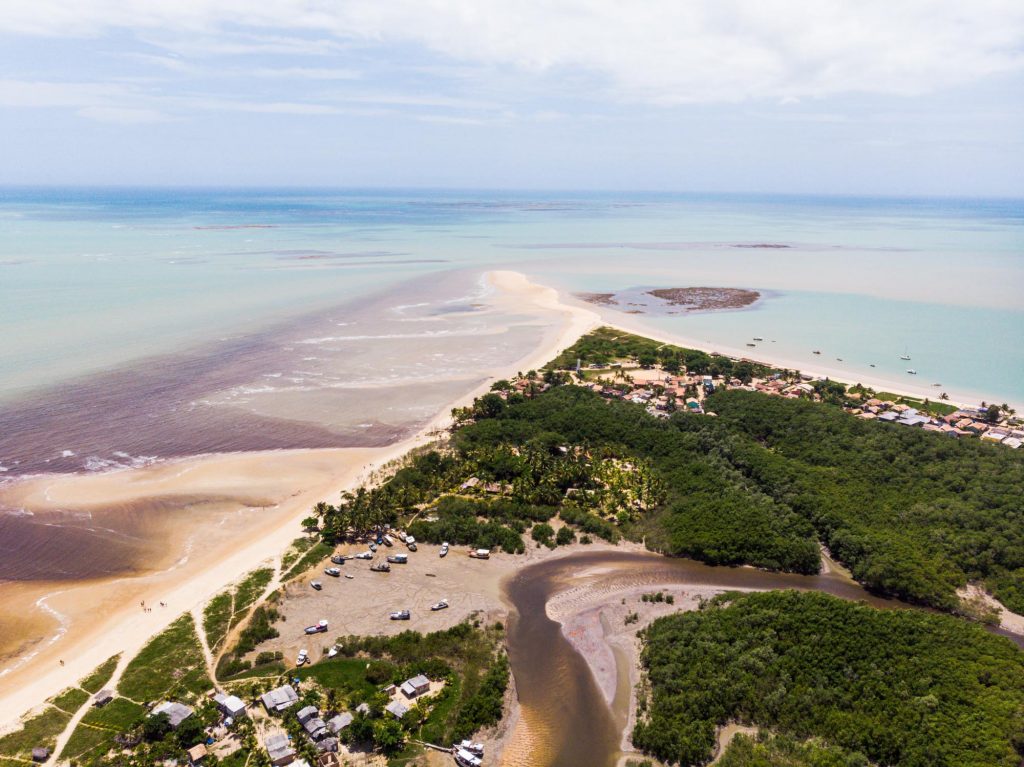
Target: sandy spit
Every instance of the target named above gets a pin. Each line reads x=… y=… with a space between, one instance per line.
x=205 y=555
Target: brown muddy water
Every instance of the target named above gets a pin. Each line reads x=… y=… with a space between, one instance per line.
x=569 y=722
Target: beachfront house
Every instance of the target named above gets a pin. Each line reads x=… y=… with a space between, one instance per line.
x=396 y=709
x=277 y=700
x=418 y=685
x=40 y=754
x=230 y=706
x=176 y=712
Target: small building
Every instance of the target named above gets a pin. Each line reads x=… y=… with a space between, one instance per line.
x=40 y=754
x=466 y=758
x=890 y=415
x=396 y=709
x=176 y=712
x=279 y=699
x=305 y=714
x=196 y=754
x=316 y=728
x=102 y=698
x=363 y=708
x=279 y=749
x=230 y=705
x=469 y=484
x=327 y=745
x=1013 y=442
x=418 y=685
x=339 y=722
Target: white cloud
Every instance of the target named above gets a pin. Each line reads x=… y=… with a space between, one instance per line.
x=122 y=115
x=656 y=51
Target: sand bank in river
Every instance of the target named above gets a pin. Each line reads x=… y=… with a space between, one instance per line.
x=250 y=504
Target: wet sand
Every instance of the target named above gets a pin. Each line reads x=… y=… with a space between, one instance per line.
x=249 y=506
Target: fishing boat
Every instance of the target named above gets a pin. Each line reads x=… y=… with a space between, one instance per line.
x=816 y=351
x=872 y=364
x=912 y=371
x=758 y=338
x=317 y=628
x=401 y=615
x=350 y=577
x=338 y=559
x=444 y=550
x=398 y=559
x=303 y=658
x=905 y=355
x=383 y=567
x=442 y=605
x=316 y=585
x=334 y=572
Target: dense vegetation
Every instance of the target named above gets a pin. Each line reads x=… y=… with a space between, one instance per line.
x=767 y=750
x=911 y=513
x=895 y=687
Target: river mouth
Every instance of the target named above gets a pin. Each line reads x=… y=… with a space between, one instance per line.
x=565 y=717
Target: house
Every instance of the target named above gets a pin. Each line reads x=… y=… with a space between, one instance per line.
x=196 y=754
x=327 y=745
x=102 y=698
x=1013 y=442
x=307 y=713
x=907 y=419
x=176 y=712
x=279 y=749
x=466 y=758
x=396 y=709
x=994 y=435
x=316 y=728
x=279 y=699
x=416 y=686
x=230 y=705
x=40 y=754
x=889 y=415
x=338 y=723
x=470 y=483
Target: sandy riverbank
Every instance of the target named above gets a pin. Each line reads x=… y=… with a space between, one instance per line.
x=251 y=503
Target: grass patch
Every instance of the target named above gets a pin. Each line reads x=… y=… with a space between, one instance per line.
x=251 y=588
x=315 y=554
x=299 y=547
x=348 y=674
x=98 y=728
x=70 y=700
x=95 y=681
x=171 y=665
x=39 y=730
x=217 y=619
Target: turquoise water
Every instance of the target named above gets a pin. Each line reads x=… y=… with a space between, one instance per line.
x=95 y=279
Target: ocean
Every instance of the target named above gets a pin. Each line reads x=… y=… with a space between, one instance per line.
x=141 y=324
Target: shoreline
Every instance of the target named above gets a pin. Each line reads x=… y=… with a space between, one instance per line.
x=125 y=627
x=635 y=324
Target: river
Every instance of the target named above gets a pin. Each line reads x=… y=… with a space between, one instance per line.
x=567 y=719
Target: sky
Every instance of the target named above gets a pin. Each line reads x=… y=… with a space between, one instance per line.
x=901 y=97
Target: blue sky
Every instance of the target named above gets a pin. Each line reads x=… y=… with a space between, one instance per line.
x=907 y=97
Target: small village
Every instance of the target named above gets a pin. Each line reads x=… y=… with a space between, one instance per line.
x=664 y=393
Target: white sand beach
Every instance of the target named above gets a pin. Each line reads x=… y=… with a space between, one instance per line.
x=262 y=497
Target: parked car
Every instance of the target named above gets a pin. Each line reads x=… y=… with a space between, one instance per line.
x=401 y=615
x=442 y=605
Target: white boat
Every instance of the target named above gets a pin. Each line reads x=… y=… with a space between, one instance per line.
x=318 y=628
x=334 y=572
x=303 y=658
x=365 y=555
x=912 y=372
x=401 y=615
x=332 y=652
x=473 y=748
x=350 y=577
x=444 y=550
x=480 y=554
x=465 y=758
x=442 y=605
